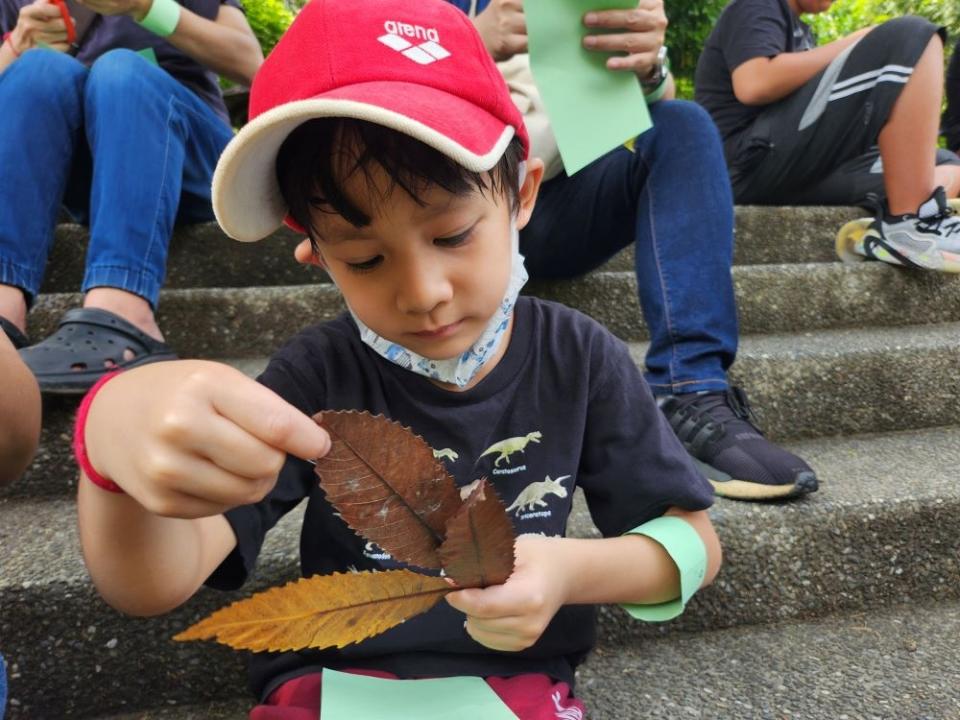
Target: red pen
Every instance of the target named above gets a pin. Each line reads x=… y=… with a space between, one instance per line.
x=68 y=21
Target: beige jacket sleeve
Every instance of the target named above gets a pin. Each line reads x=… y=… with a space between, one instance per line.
x=523 y=90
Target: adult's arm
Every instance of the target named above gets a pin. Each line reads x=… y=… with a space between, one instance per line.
x=764 y=80
x=19 y=413
x=226 y=45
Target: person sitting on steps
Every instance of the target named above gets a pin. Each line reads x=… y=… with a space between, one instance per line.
x=833 y=125
x=415 y=218
x=670 y=199
x=125 y=135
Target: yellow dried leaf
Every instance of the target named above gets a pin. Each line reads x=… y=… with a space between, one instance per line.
x=321 y=611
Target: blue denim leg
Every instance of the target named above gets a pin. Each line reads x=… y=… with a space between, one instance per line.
x=153 y=142
x=41 y=122
x=671 y=197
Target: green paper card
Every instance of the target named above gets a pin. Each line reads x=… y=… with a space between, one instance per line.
x=592 y=109
x=357 y=697
x=149 y=54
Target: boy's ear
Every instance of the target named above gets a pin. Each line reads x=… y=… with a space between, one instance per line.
x=528 y=191
x=305 y=255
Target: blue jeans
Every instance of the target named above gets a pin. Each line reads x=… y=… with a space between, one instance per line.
x=123 y=145
x=672 y=199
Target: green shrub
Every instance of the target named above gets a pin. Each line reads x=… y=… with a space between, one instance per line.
x=269 y=20
x=690 y=23
x=848 y=15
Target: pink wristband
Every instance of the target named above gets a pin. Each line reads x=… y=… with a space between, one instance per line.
x=80 y=443
x=8 y=39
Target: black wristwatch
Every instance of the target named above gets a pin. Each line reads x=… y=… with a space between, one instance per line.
x=659 y=71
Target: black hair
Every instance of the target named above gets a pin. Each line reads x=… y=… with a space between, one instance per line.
x=319 y=155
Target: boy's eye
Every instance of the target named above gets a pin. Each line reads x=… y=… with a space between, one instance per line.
x=454 y=240
x=366 y=265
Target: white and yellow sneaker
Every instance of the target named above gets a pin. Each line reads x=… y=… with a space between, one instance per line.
x=929 y=239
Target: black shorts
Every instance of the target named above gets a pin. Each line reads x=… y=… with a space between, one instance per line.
x=819 y=145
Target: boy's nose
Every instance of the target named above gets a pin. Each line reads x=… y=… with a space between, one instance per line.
x=422 y=287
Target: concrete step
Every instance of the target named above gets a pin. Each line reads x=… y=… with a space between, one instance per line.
x=202 y=256
x=899 y=663
x=251 y=322
x=237 y=709
x=889 y=665
x=838 y=382
x=883 y=531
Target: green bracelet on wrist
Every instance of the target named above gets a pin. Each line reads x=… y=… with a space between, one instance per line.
x=656 y=93
x=162 y=17
x=689 y=554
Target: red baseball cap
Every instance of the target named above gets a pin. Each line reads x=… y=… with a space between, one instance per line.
x=415 y=66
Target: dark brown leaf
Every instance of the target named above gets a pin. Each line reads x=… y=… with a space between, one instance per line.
x=321 y=611
x=478 y=550
x=387 y=485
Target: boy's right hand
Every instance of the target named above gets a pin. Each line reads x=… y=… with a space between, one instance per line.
x=39 y=22
x=193 y=438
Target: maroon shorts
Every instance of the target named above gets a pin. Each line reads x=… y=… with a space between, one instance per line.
x=530 y=697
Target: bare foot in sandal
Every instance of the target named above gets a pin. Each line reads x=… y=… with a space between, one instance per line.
x=91 y=341
x=132 y=308
x=13 y=306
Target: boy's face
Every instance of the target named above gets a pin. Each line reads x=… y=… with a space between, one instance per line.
x=426 y=277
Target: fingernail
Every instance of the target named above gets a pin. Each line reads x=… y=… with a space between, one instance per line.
x=590 y=18
x=589 y=41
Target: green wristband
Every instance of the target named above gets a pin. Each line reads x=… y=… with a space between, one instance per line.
x=685 y=547
x=658 y=92
x=162 y=18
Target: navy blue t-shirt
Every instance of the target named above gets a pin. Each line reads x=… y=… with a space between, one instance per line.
x=119 y=31
x=577 y=413
x=746 y=29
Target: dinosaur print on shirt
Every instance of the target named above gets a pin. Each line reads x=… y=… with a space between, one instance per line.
x=535 y=494
x=508 y=447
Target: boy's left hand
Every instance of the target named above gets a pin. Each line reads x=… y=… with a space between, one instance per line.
x=642 y=32
x=514 y=615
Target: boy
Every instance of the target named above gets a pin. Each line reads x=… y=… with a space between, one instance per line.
x=833 y=124
x=383 y=129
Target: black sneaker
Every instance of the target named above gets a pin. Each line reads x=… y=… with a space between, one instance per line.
x=718 y=430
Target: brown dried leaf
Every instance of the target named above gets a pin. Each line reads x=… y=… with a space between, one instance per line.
x=321 y=611
x=387 y=485
x=478 y=550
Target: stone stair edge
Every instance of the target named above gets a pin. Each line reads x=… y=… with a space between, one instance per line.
x=202 y=254
x=872 y=489
x=829 y=383
x=860 y=542
x=691 y=675
x=772 y=299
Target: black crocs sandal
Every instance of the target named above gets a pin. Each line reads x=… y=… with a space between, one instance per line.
x=70 y=361
x=18 y=339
